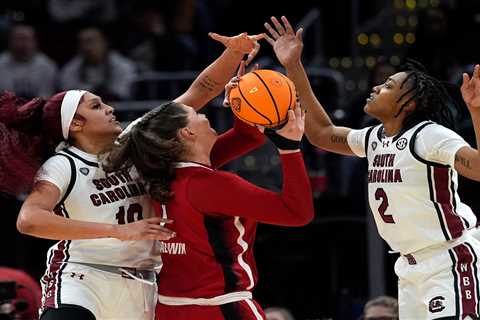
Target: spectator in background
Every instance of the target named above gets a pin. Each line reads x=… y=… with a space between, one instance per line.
x=168 y=24
x=25 y=70
x=381 y=308
x=98 y=69
x=28 y=294
x=93 y=11
x=278 y=313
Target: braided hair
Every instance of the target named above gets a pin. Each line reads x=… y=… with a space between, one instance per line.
x=152 y=146
x=432 y=99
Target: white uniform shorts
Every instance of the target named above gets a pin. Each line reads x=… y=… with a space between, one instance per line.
x=440 y=282
x=107 y=295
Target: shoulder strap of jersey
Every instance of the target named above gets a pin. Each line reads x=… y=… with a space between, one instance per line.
x=411 y=146
x=367 y=138
x=73 y=176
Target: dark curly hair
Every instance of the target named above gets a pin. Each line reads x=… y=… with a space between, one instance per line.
x=433 y=102
x=152 y=146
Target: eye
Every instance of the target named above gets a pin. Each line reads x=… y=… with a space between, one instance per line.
x=96 y=106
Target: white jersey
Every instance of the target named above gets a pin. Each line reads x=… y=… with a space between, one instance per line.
x=412 y=185
x=87 y=194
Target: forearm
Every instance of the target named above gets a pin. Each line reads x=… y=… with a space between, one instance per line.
x=45 y=224
x=319 y=128
x=211 y=81
x=296 y=191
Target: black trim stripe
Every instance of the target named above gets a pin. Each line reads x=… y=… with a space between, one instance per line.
x=71 y=184
x=455 y=283
x=270 y=93
x=65 y=260
x=412 y=148
x=431 y=190
x=218 y=241
x=89 y=163
x=475 y=275
x=250 y=105
x=367 y=139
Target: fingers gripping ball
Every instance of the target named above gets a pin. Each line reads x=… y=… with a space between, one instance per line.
x=263 y=97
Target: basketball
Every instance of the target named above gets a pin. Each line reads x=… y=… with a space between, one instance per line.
x=263 y=97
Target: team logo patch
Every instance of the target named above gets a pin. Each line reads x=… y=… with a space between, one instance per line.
x=236 y=104
x=84 y=171
x=437 y=304
x=401 y=143
x=374 y=145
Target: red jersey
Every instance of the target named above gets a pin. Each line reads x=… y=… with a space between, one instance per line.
x=215 y=213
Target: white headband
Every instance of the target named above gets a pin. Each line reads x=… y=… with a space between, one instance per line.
x=69 y=107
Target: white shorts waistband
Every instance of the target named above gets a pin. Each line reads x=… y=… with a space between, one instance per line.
x=215 y=301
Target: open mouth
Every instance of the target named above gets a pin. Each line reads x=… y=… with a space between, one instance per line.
x=370 y=98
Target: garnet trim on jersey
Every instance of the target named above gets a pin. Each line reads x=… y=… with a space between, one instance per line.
x=465 y=281
x=442 y=193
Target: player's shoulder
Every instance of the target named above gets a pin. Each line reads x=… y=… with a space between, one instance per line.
x=58 y=160
x=433 y=129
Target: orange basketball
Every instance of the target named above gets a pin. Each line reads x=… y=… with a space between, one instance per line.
x=263 y=97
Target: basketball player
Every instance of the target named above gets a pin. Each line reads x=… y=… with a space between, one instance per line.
x=101 y=268
x=209 y=270
x=413 y=162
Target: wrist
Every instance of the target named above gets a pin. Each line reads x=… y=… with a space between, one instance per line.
x=114 y=231
x=294 y=65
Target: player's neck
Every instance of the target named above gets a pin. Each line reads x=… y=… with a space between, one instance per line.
x=392 y=128
x=93 y=146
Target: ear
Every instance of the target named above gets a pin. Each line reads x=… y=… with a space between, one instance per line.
x=410 y=107
x=76 y=125
x=186 y=134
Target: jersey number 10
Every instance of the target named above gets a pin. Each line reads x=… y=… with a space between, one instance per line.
x=381 y=195
x=135 y=209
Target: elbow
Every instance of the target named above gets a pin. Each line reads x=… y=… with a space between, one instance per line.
x=25 y=225
x=303 y=219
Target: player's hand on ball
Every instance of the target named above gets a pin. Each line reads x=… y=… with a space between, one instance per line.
x=295 y=125
x=286 y=43
x=233 y=83
x=242 y=43
x=146 y=229
x=471 y=89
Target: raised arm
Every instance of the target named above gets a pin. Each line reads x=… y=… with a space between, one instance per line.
x=467 y=159
x=211 y=81
x=233 y=196
x=37 y=218
x=319 y=129
x=240 y=139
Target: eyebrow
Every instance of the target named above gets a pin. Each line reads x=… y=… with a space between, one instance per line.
x=391 y=79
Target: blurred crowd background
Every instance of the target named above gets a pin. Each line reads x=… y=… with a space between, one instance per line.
x=136 y=54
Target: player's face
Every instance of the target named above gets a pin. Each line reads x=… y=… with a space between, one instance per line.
x=199 y=125
x=98 y=118
x=383 y=103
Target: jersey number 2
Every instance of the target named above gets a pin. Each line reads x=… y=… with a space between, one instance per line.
x=133 y=209
x=381 y=195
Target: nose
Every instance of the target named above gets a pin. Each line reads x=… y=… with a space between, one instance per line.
x=376 y=89
x=108 y=109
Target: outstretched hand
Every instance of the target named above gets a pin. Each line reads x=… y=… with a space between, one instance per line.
x=471 y=89
x=287 y=44
x=242 y=43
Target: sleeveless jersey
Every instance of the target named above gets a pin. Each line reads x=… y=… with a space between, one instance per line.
x=414 y=201
x=87 y=194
